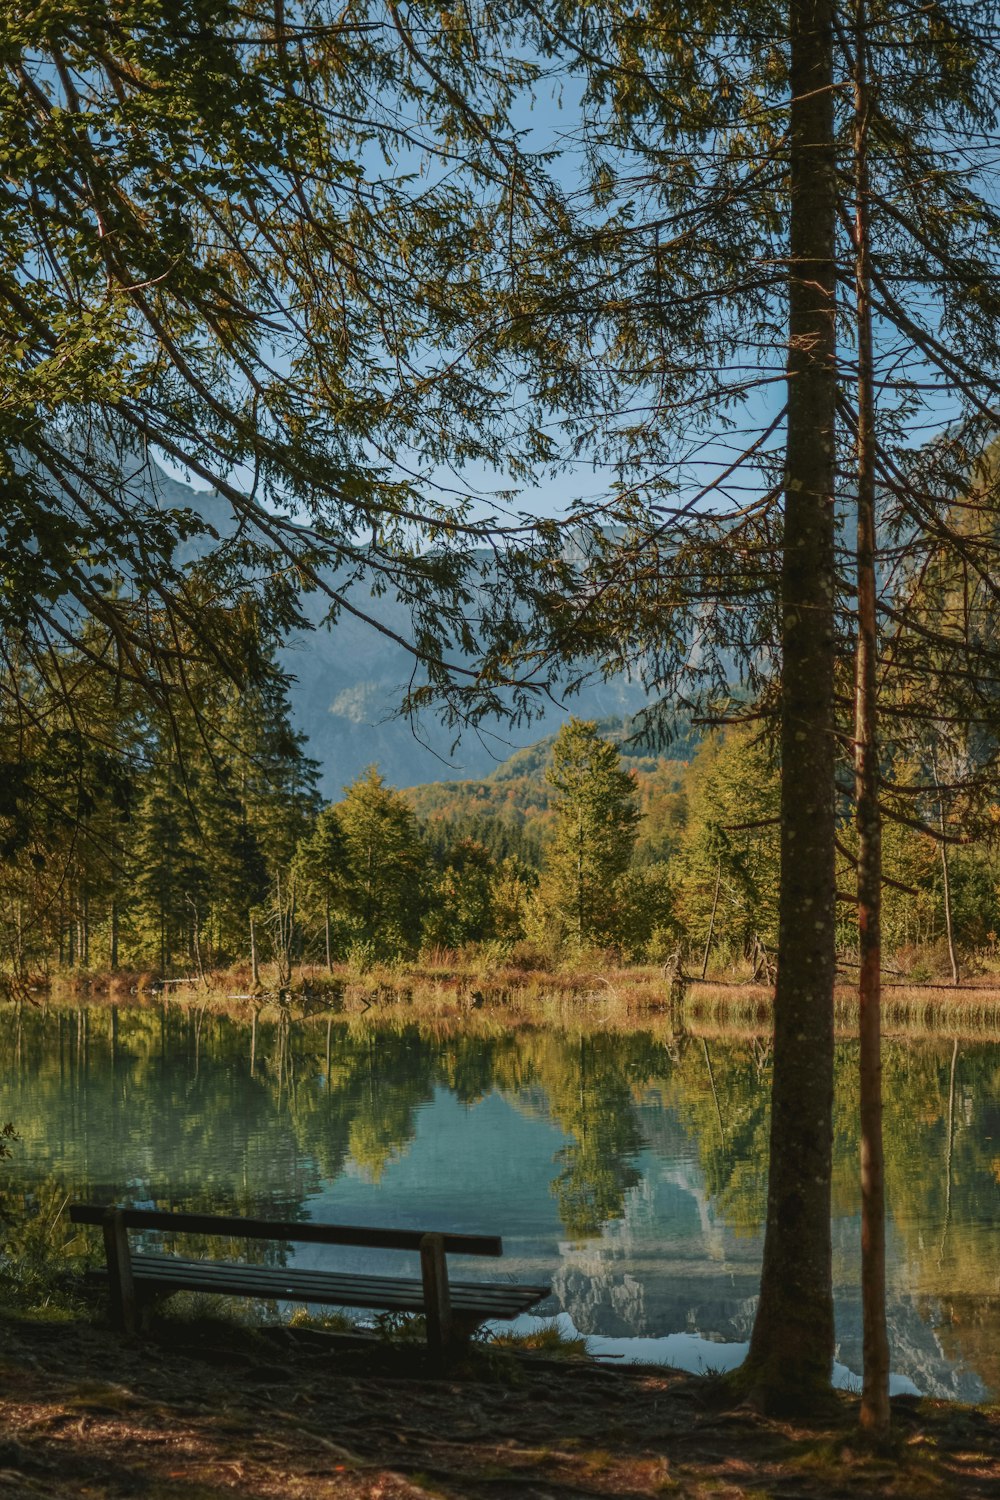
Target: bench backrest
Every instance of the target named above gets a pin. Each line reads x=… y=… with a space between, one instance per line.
x=306 y=1232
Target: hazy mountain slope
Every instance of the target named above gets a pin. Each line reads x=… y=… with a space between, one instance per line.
x=349 y=681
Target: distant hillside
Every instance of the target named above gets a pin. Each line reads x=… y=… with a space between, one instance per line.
x=349 y=681
x=509 y=808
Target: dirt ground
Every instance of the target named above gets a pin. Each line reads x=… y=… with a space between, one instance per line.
x=209 y=1410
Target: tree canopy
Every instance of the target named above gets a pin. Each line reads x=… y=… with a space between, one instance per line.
x=266 y=242
x=308 y=255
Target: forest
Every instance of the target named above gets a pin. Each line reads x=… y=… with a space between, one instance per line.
x=170 y=851
x=549 y=343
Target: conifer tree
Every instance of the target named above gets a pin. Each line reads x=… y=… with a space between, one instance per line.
x=729 y=234
x=728 y=859
x=233 y=279
x=321 y=866
x=382 y=895
x=170 y=869
x=593 y=836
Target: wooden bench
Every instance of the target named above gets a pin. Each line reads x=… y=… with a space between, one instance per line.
x=453 y=1309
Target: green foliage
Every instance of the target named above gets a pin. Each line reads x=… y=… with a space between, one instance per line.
x=381 y=900
x=593 y=835
x=40 y=1251
x=219 y=818
x=511 y=894
x=460 y=904
x=232 y=276
x=729 y=854
x=647 y=925
x=510 y=811
x=321 y=870
x=153 y=847
x=204 y=262
x=38 y=1245
x=148 y=836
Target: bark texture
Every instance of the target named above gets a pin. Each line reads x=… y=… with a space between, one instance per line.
x=791 y=1351
x=875 y=1386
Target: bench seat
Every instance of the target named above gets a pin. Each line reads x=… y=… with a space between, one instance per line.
x=452 y=1308
x=164 y=1274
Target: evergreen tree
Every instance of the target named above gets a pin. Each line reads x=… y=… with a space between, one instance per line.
x=677 y=147
x=593 y=836
x=382 y=896
x=227 y=794
x=201 y=180
x=321 y=868
x=728 y=860
x=171 y=874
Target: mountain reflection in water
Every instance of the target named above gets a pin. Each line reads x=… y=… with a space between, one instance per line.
x=629 y=1169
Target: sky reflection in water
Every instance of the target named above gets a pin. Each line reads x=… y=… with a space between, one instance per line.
x=627 y=1169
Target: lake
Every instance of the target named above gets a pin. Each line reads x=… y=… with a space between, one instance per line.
x=628 y=1169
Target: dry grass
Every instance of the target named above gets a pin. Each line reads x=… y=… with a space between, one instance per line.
x=912 y=1011
x=450 y=993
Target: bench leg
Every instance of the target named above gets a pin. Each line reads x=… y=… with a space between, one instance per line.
x=437 y=1298
x=124 y=1308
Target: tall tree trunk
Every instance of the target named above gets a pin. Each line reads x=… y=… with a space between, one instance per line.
x=196 y=940
x=790 y=1361
x=254 y=962
x=326 y=932
x=19 y=965
x=85 y=928
x=949 y=924
x=875 y=1388
x=711 y=920
x=113 y=956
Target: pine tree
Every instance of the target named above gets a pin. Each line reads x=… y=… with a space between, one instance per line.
x=752 y=120
x=382 y=896
x=728 y=867
x=321 y=867
x=171 y=872
x=593 y=836
x=227 y=280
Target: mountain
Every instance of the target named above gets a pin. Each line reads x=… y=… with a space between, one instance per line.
x=348 y=681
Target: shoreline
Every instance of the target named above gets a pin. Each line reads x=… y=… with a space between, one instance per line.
x=629 y=999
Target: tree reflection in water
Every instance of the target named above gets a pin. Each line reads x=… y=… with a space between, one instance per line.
x=259 y=1113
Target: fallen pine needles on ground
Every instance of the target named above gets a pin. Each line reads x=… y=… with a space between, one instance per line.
x=295 y=1412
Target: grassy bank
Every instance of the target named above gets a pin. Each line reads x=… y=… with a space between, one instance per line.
x=504 y=995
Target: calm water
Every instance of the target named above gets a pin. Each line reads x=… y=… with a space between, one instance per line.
x=626 y=1170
